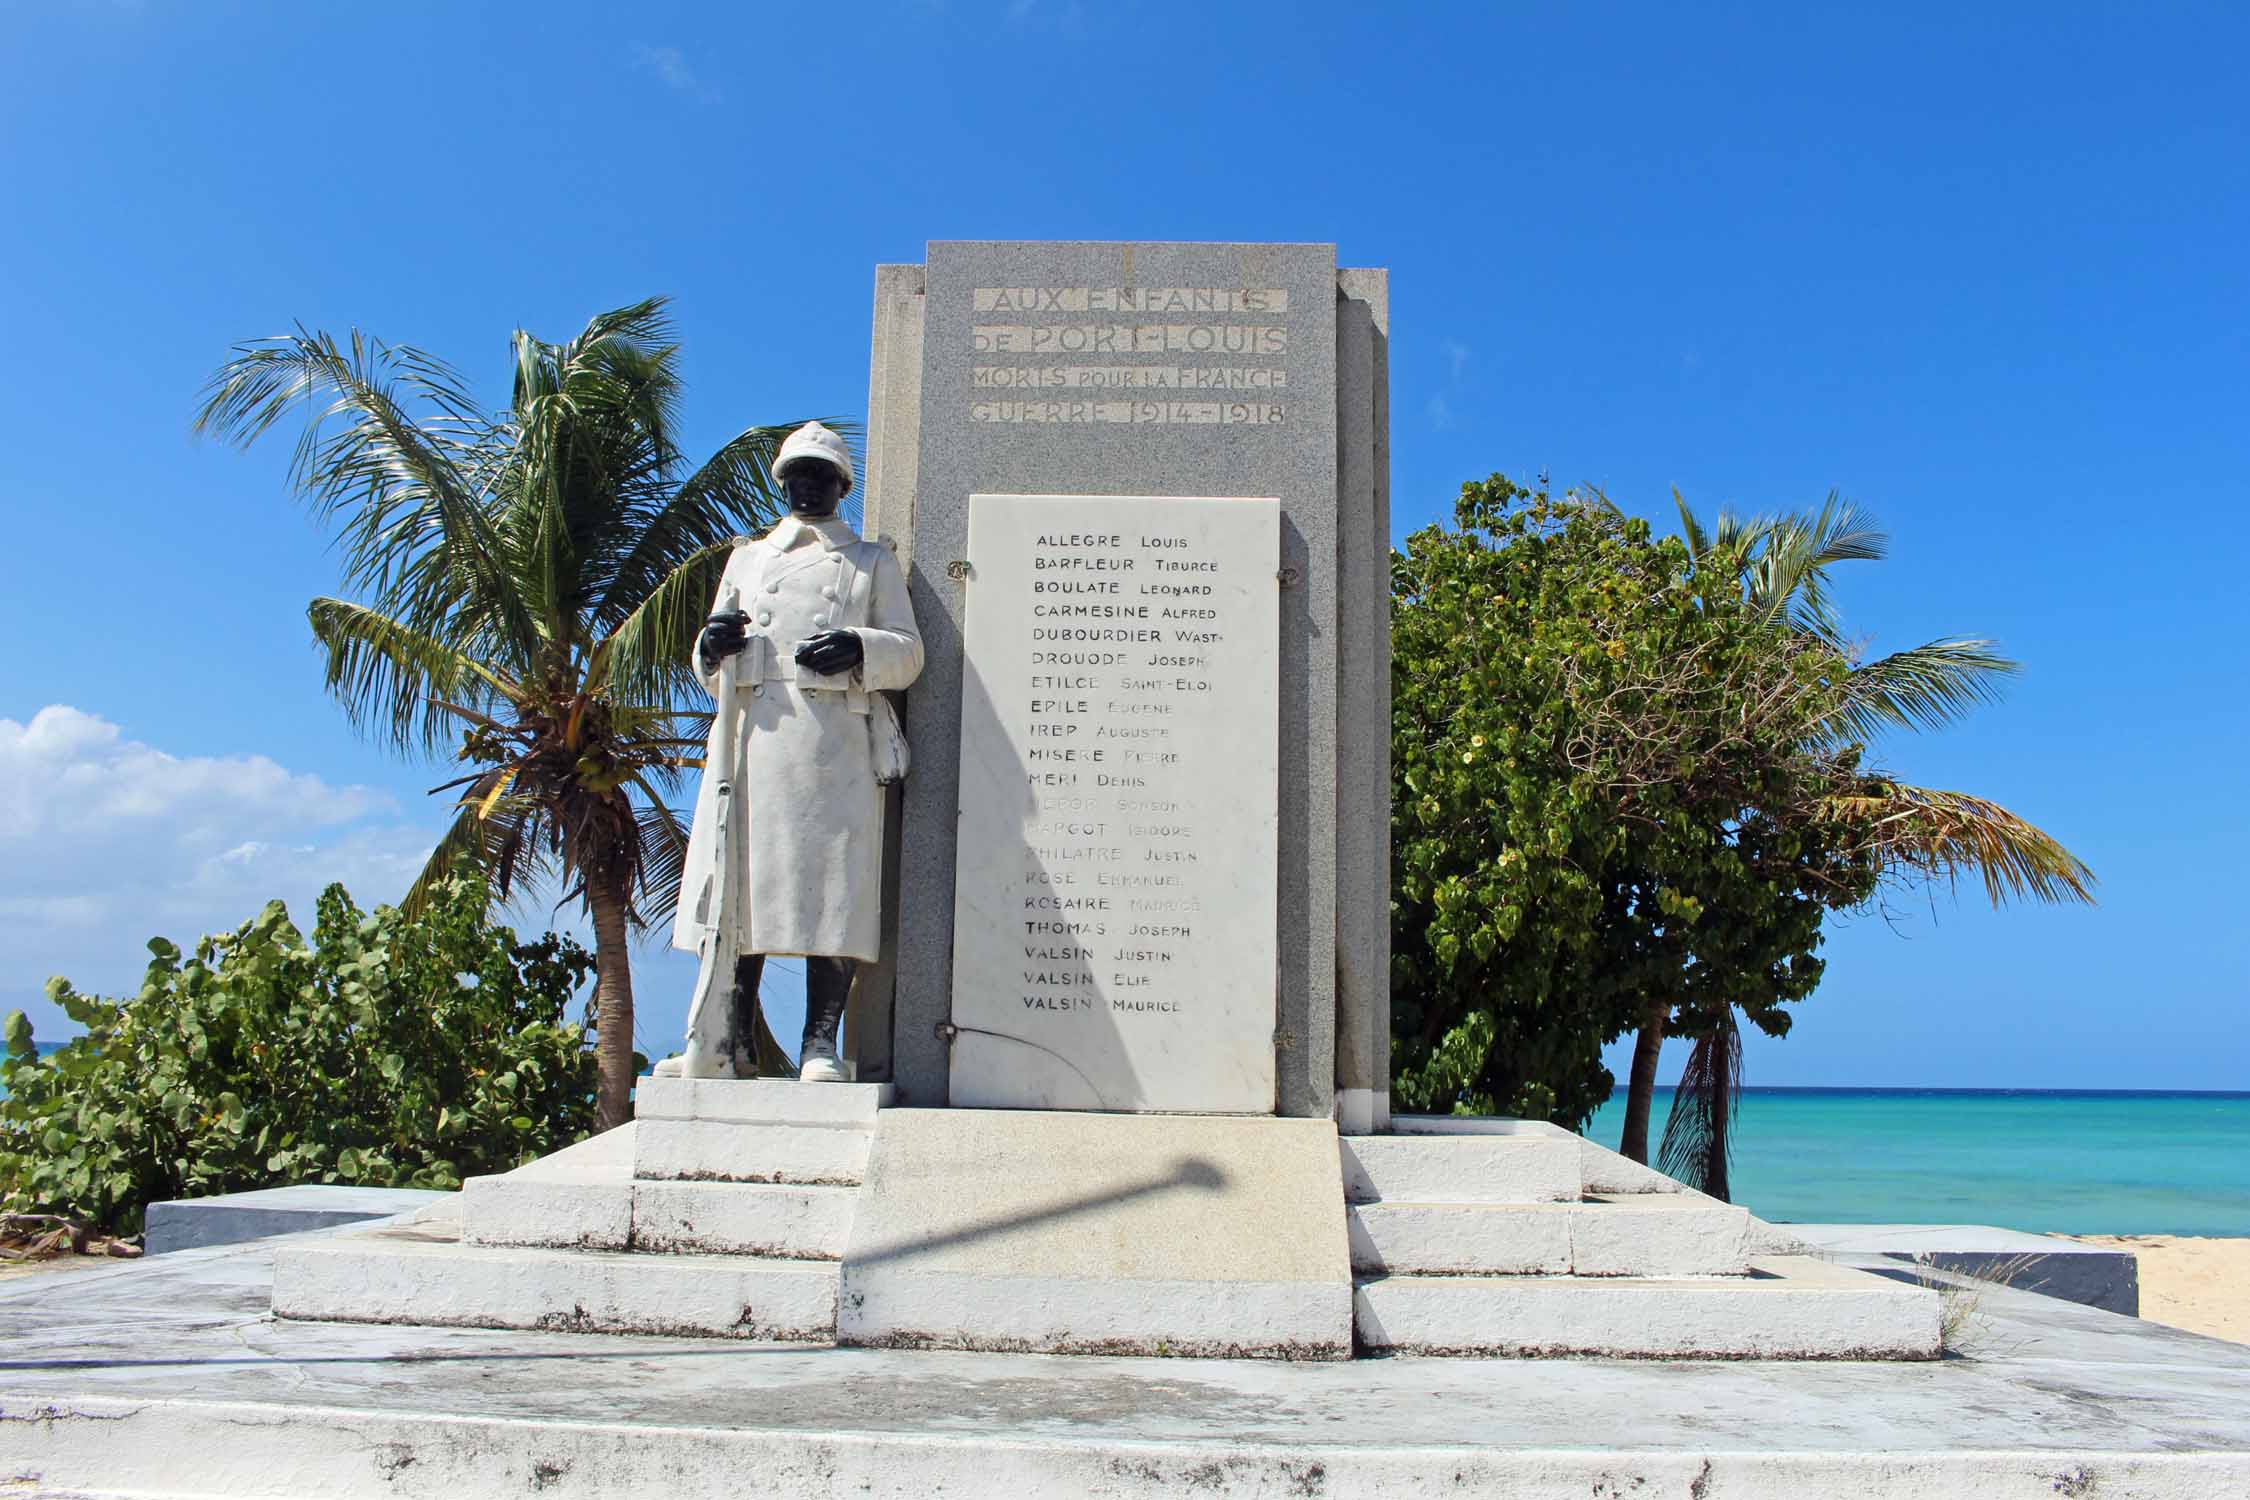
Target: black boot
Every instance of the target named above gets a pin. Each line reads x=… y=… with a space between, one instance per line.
x=741 y=1041
x=828 y=985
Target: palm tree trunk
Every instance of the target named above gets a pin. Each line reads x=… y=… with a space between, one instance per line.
x=1640 y=1085
x=1699 y=1135
x=613 y=1002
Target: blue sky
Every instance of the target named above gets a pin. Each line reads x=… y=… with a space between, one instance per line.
x=1983 y=269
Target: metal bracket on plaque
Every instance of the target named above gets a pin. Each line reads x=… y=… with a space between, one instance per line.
x=957 y=570
x=1288 y=577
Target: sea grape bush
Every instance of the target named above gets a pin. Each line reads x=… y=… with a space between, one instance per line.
x=1602 y=802
x=390 y=1050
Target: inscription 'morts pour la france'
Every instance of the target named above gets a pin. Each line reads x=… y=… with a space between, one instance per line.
x=1233 y=340
x=1115 y=894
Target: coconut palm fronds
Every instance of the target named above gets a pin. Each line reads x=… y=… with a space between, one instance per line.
x=1940 y=835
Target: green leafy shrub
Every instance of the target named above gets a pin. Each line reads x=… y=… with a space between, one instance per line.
x=392 y=1051
x=1605 y=800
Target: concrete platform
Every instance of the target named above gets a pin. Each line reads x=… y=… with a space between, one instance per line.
x=165 y=1378
x=2094 y=1275
x=231 y=1218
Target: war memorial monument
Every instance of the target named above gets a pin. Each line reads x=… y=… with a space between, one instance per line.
x=1112 y=1074
x=1120 y=1051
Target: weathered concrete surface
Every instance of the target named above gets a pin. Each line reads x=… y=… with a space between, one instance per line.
x=2094 y=1275
x=165 y=1378
x=231 y=1218
x=1063 y=1232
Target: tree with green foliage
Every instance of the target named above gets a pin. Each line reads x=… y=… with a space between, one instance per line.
x=392 y=1049
x=532 y=585
x=1600 y=797
x=1778 y=568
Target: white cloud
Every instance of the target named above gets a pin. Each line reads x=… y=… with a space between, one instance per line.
x=670 y=66
x=1456 y=356
x=1068 y=18
x=1441 y=413
x=106 y=841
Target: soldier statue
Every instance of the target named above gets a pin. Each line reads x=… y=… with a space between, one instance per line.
x=824 y=629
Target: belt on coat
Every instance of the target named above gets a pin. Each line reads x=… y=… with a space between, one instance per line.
x=763 y=661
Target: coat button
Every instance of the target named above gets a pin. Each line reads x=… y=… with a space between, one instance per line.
x=757 y=690
x=773 y=588
x=821 y=621
x=765 y=617
x=828 y=592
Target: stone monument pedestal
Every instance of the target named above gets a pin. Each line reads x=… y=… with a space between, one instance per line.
x=1070 y=1233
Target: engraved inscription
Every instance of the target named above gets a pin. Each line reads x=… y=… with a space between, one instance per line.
x=1194 y=340
x=1115 y=893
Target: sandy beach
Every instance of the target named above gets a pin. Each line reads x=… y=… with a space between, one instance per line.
x=2202 y=1285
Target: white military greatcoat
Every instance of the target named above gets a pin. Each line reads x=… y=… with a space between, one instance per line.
x=809 y=838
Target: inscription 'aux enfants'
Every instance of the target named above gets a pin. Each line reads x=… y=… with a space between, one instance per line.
x=1226 y=331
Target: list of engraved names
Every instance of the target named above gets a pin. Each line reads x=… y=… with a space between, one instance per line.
x=1137 y=356
x=1115 y=888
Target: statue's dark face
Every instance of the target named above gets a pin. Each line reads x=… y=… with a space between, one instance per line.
x=814 y=488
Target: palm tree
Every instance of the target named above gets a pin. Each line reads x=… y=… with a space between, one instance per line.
x=1780 y=567
x=530 y=586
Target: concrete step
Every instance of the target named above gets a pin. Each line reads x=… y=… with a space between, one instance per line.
x=578 y=1198
x=423 y=1274
x=789 y=1220
x=705 y=1150
x=1656 y=1234
x=761 y=1101
x=1788 y=1307
x=1600 y=1170
x=1483 y=1168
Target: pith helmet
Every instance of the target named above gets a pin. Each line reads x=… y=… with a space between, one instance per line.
x=815 y=441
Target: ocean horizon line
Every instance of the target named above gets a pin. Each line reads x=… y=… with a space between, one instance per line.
x=1924 y=1090
x=1928 y=1090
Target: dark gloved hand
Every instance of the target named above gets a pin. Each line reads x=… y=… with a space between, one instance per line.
x=831 y=651
x=723 y=635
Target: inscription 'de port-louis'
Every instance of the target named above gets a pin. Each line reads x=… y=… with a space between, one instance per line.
x=1200 y=343
x=1115 y=894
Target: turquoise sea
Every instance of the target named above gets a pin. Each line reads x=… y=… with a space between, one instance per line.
x=2060 y=1161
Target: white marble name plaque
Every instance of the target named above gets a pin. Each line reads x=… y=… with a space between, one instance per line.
x=1114 y=888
